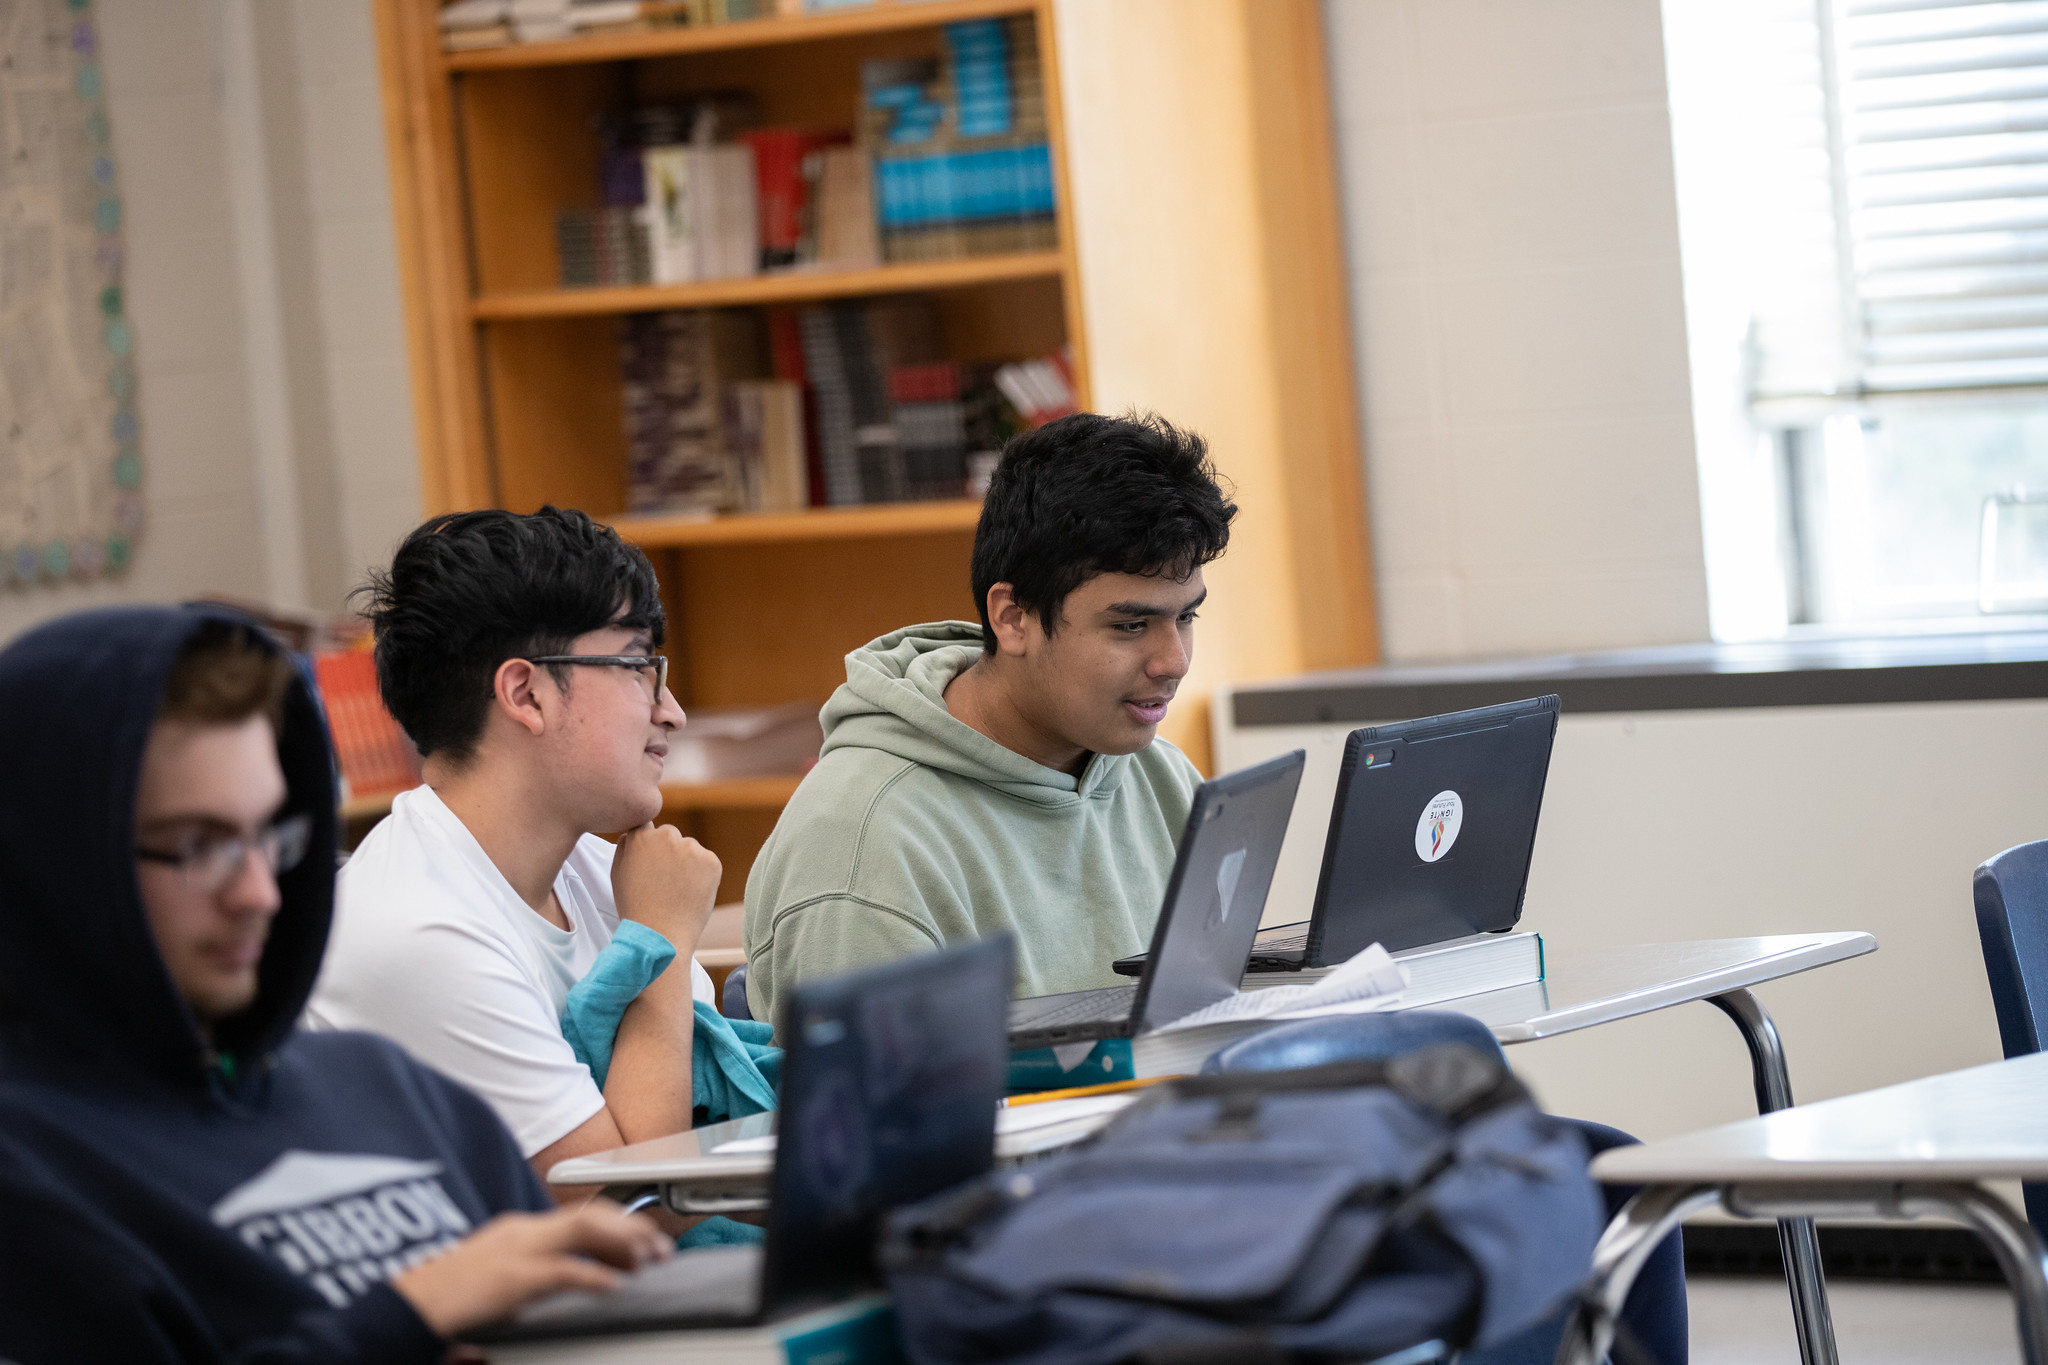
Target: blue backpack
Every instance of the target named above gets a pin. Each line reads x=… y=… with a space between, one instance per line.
x=1352 y=1209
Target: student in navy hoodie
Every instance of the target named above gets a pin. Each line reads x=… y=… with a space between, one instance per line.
x=184 y=1176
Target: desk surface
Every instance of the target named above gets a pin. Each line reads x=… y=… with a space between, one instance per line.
x=1986 y=1123
x=1022 y=1131
x=1589 y=986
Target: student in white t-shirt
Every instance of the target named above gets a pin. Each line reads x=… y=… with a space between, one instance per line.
x=519 y=654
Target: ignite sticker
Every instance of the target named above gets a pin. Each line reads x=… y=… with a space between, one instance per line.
x=1438 y=828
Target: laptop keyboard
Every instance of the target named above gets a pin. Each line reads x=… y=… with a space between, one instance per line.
x=1113 y=1002
x=1291 y=943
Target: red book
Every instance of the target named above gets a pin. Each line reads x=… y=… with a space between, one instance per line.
x=783 y=192
x=786 y=345
x=375 y=757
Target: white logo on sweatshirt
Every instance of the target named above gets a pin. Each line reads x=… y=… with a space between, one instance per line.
x=344 y=1222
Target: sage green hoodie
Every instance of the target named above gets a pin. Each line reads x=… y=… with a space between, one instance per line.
x=915 y=831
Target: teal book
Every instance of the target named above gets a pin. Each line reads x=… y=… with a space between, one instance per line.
x=1048 y=1068
x=857 y=1332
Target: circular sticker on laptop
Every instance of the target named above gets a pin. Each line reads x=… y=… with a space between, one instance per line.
x=1438 y=828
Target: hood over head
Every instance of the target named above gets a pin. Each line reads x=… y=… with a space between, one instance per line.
x=894 y=700
x=80 y=975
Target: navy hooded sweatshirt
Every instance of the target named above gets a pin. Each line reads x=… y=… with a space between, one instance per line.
x=160 y=1200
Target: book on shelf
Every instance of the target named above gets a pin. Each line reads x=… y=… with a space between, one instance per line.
x=841 y=229
x=699 y=212
x=675 y=368
x=765 y=424
x=601 y=247
x=786 y=189
x=375 y=757
x=1041 y=389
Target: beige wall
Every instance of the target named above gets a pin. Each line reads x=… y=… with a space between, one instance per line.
x=1520 y=323
x=262 y=281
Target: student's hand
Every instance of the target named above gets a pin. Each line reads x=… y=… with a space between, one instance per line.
x=518 y=1257
x=667 y=882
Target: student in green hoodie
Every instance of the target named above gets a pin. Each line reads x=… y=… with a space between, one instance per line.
x=1009 y=775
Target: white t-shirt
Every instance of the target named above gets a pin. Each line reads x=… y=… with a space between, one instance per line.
x=432 y=948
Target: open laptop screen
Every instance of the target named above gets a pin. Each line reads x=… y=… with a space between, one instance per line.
x=1218 y=889
x=1431 y=835
x=889 y=1094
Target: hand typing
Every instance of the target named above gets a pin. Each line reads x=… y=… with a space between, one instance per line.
x=518 y=1257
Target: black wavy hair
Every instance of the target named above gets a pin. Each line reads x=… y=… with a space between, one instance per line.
x=469 y=590
x=1087 y=495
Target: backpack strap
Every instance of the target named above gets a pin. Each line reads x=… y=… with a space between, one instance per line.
x=1457 y=1081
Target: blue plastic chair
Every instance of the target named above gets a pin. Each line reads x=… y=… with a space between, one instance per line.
x=2011 y=891
x=1655 y=1314
x=732 y=1001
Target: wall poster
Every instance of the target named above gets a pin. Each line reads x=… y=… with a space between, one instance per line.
x=70 y=457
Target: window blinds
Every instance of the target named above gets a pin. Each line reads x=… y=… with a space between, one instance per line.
x=1936 y=118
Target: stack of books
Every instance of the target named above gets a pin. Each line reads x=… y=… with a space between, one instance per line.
x=1040 y=390
x=375 y=757
x=962 y=162
x=676 y=367
x=696 y=191
x=598 y=247
x=950 y=159
x=839 y=404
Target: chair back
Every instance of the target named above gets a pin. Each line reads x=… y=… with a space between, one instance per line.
x=2011 y=891
x=732 y=1001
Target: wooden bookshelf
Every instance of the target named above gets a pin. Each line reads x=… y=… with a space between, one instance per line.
x=794 y=286
x=1199 y=132
x=517 y=382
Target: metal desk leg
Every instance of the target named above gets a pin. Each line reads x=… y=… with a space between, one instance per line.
x=2019 y=1254
x=1797 y=1240
x=1642 y=1223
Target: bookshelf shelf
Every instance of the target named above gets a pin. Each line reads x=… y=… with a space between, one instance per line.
x=884 y=16
x=1197 y=133
x=819 y=523
x=735 y=793
x=365 y=808
x=807 y=286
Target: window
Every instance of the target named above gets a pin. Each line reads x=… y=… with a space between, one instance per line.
x=1863 y=202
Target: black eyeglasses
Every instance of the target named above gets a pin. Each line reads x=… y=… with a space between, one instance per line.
x=210 y=861
x=643 y=662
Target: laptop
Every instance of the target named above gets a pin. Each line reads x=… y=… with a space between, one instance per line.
x=1430 y=836
x=889 y=1092
x=1221 y=873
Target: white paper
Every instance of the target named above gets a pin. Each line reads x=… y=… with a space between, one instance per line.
x=745 y=1146
x=1071 y=1055
x=1022 y=1118
x=1370 y=981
